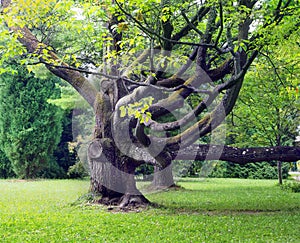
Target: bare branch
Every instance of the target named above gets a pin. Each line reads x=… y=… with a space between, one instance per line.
x=195 y=20
x=192 y=26
x=153 y=33
x=221 y=23
x=77 y=69
x=238 y=155
x=274 y=68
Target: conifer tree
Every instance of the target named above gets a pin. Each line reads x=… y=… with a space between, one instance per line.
x=30 y=127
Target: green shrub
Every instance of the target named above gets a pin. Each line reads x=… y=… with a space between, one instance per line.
x=292 y=186
x=30 y=127
x=262 y=170
x=183 y=168
x=77 y=171
x=53 y=171
x=5 y=167
x=145 y=171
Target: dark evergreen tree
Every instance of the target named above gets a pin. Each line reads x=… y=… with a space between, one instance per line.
x=30 y=127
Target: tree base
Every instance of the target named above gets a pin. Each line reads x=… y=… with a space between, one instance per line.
x=133 y=201
x=155 y=188
x=125 y=202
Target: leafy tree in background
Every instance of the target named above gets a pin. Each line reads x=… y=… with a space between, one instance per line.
x=30 y=127
x=214 y=44
x=274 y=79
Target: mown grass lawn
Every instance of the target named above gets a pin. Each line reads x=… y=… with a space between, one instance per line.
x=212 y=210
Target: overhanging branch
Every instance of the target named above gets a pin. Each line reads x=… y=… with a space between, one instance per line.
x=238 y=155
x=31 y=43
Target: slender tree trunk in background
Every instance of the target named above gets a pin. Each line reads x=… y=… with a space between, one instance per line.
x=163 y=177
x=279 y=170
x=278 y=143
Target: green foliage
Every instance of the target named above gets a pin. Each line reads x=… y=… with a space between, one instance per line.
x=69 y=98
x=184 y=168
x=213 y=210
x=224 y=169
x=146 y=171
x=51 y=171
x=291 y=186
x=267 y=110
x=5 y=166
x=268 y=171
x=262 y=170
x=73 y=27
x=138 y=109
x=78 y=31
x=77 y=171
x=30 y=128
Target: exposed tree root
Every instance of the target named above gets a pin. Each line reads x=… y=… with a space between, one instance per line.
x=127 y=202
x=133 y=201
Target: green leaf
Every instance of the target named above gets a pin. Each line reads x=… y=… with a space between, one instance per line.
x=123 y=111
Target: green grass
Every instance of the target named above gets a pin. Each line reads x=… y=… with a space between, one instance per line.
x=213 y=210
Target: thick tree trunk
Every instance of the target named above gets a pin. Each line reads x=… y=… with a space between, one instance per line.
x=112 y=176
x=103 y=168
x=162 y=178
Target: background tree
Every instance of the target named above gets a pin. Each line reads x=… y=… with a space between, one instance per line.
x=64 y=154
x=77 y=132
x=215 y=42
x=30 y=127
x=273 y=79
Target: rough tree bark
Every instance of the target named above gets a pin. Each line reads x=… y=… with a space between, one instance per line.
x=279 y=170
x=112 y=175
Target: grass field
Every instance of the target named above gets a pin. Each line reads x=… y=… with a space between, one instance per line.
x=212 y=210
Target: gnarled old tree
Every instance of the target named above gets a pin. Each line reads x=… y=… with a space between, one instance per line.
x=151 y=57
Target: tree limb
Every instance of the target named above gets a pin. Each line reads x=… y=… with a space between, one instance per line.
x=225 y=107
x=153 y=33
x=238 y=155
